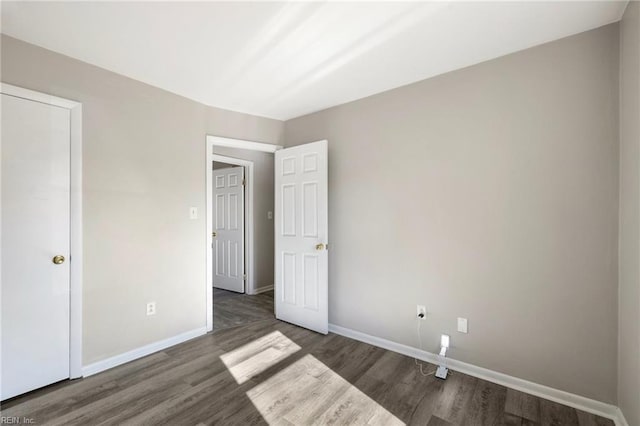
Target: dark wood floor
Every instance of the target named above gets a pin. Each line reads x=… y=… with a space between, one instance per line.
x=270 y=372
x=231 y=309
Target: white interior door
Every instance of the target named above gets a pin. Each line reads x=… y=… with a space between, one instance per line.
x=228 y=229
x=35 y=229
x=302 y=231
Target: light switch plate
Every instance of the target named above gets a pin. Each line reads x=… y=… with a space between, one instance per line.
x=193 y=213
x=462 y=325
x=269 y=215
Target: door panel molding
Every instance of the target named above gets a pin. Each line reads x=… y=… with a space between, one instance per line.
x=75 y=231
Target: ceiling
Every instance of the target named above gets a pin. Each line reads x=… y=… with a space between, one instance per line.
x=286 y=59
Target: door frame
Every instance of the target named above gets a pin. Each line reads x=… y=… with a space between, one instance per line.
x=75 y=211
x=211 y=143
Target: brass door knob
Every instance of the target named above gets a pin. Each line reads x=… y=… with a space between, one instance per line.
x=320 y=247
x=58 y=260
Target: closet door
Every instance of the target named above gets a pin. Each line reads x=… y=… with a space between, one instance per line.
x=35 y=156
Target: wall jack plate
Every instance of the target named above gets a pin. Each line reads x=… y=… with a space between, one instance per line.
x=151 y=308
x=441 y=372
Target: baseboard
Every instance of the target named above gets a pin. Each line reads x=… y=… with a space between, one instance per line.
x=263 y=289
x=620 y=420
x=105 y=364
x=572 y=400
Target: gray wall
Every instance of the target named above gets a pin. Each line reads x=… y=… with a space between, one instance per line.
x=263 y=202
x=489 y=193
x=629 y=288
x=144 y=167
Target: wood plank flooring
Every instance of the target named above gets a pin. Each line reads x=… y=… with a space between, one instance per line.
x=271 y=372
x=232 y=309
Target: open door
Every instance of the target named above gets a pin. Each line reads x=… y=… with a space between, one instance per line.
x=228 y=229
x=301 y=241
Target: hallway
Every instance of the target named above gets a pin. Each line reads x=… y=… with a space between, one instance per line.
x=233 y=309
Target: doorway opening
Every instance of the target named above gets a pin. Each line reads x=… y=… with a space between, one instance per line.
x=295 y=257
x=235 y=302
x=239 y=232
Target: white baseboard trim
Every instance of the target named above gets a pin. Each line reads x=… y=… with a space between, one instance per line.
x=263 y=289
x=105 y=364
x=572 y=400
x=619 y=419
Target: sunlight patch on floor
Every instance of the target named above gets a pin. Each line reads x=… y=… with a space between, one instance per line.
x=257 y=356
x=309 y=392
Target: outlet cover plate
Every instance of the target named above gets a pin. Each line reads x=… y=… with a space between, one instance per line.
x=463 y=325
x=151 y=308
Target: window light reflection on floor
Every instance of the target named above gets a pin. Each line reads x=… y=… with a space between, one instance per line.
x=257 y=356
x=309 y=392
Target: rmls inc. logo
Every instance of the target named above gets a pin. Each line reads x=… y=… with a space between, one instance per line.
x=15 y=420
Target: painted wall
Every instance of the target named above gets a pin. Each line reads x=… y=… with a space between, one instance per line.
x=144 y=166
x=489 y=193
x=263 y=202
x=629 y=287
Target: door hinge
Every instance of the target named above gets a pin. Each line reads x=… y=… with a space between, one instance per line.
x=244 y=182
x=244 y=277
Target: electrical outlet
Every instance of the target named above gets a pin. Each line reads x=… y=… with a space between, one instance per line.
x=445 y=340
x=421 y=312
x=269 y=215
x=151 y=308
x=462 y=325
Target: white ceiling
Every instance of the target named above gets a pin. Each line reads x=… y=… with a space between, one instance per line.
x=286 y=59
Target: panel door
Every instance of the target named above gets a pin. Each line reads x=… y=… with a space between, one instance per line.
x=228 y=228
x=35 y=229
x=302 y=236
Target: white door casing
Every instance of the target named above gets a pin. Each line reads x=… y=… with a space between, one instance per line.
x=228 y=229
x=36 y=151
x=302 y=236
